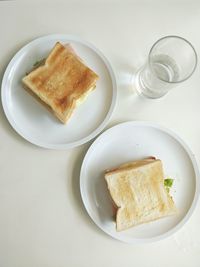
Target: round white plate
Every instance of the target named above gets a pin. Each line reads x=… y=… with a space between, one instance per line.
x=33 y=121
x=131 y=141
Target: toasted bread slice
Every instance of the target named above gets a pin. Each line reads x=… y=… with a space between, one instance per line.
x=62 y=82
x=137 y=189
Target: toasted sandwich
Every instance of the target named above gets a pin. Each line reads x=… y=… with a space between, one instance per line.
x=138 y=192
x=61 y=81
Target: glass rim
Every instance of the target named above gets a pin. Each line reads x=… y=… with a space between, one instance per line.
x=175 y=37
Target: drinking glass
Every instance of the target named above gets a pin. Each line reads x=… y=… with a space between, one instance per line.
x=171 y=61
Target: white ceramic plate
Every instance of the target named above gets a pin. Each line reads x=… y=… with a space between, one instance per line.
x=33 y=121
x=130 y=141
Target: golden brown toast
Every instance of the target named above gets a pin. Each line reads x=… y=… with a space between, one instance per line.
x=62 y=82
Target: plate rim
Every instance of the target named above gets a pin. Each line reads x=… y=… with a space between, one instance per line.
x=191 y=155
x=72 y=144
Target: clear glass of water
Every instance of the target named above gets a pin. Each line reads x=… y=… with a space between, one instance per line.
x=171 y=61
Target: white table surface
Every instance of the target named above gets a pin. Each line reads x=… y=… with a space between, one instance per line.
x=42 y=218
